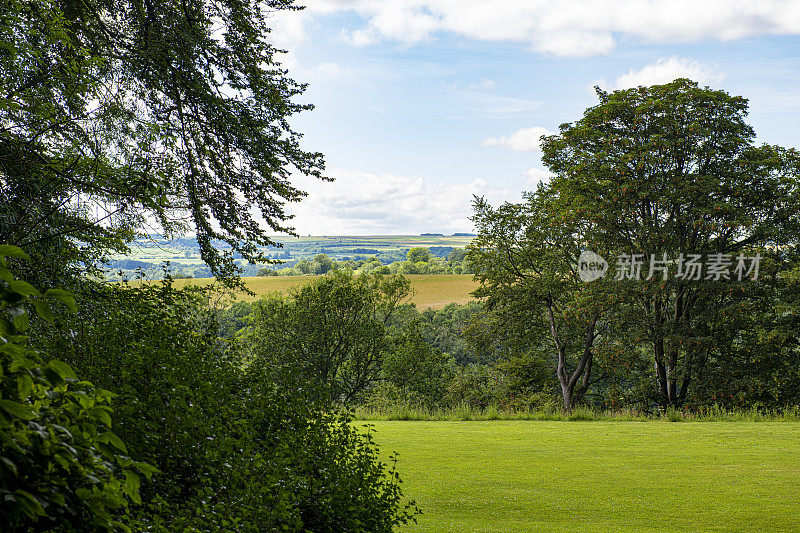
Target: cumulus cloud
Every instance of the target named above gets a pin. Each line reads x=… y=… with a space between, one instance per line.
x=664 y=71
x=535 y=176
x=567 y=27
x=522 y=140
x=365 y=203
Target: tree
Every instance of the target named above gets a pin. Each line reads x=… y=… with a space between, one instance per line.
x=457 y=255
x=322 y=264
x=418 y=370
x=333 y=331
x=672 y=169
x=415 y=255
x=303 y=266
x=117 y=115
x=525 y=258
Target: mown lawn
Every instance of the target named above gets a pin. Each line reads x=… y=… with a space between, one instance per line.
x=504 y=476
x=430 y=290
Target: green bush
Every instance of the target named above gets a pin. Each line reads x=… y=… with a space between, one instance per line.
x=240 y=447
x=61 y=466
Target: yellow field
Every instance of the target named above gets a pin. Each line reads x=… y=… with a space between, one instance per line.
x=430 y=290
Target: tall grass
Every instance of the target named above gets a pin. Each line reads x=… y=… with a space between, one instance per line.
x=465 y=412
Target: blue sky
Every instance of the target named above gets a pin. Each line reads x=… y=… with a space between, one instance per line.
x=421 y=104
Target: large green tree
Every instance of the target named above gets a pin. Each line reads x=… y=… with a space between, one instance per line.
x=668 y=170
x=116 y=116
x=334 y=332
x=526 y=257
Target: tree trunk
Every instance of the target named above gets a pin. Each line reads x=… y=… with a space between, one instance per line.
x=584 y=367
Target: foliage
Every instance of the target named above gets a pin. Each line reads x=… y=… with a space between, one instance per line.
x=526 y=262
x=322 y=264
x=416 y=368
x=171 y=112
x=448 y=330
x=240 y=445
x=478 y=386
x=61 y=466
x=672 y=169
x=333 y=331
x=415 y=255
x=330 y=469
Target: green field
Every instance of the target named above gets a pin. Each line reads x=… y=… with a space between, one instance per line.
x=430 y=290
x=305 y=247
x=504 y=476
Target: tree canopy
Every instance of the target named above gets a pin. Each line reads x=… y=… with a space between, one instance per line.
x=118 y=116
x=662 y=171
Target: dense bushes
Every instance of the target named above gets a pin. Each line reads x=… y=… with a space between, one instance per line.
x=61 y=466
x=239 y=447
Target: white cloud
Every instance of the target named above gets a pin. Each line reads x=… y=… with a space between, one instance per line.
x=287 y=29
x=574 y=43
x=564 y=28
x=537 y=175
x=365 y=203
x=329 y=69
x=664 y=71
x=360 y=37
x=522 y=140
x=485 y=84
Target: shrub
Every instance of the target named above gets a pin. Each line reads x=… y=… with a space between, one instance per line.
x=240 y=447
x=61 y=466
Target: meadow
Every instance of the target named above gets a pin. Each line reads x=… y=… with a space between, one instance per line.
x=517 y=476
x=433 y=291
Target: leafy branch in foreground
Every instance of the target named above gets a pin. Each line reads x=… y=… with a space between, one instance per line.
x=61 y=466
x=122 y=115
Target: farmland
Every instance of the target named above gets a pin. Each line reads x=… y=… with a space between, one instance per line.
x=184 y=250
x=429 y=290
x=516 y=476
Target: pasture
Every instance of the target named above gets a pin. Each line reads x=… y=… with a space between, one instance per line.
x=433 y=291
x=519 y=476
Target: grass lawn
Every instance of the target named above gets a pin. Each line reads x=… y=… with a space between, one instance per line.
x=430 y=290
x=503 y=476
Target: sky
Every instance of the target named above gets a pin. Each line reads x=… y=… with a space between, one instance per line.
x=422 y=104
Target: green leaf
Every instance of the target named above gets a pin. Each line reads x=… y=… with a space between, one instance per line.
x=19 y=410
x=65 y=297
x=132 y=483
x=21 y=322
x=22 y=287
x=9 y=464
x=110 y=438
x=63 y=370
x=7 y=250
x=6 y=327
x=24 y=386
x=101 y=415
x=5 y=274
x=146 y=468
x=44 y=310
x=30 y=505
